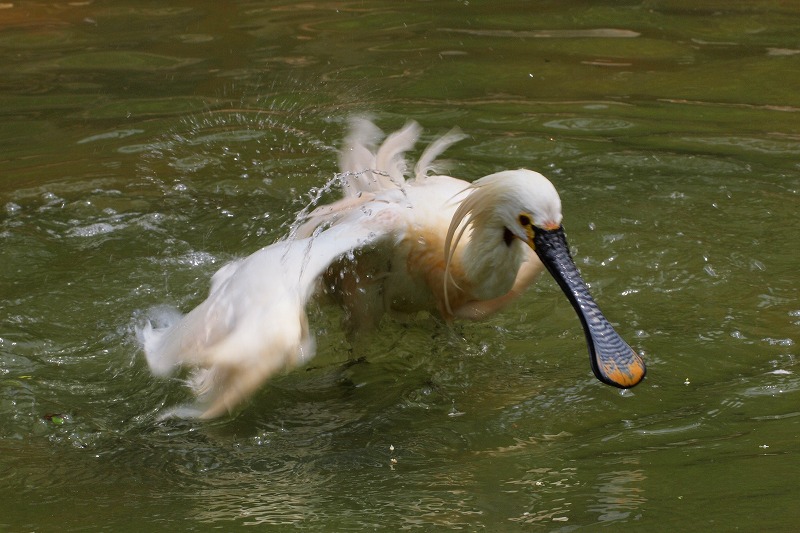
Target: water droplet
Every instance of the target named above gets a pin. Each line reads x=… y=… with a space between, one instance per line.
x=778 y=342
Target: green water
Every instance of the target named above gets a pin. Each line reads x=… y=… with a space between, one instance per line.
x=143 y=145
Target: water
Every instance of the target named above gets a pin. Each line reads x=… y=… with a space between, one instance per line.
x=144 y=145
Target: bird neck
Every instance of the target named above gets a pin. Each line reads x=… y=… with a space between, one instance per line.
x=490 y=261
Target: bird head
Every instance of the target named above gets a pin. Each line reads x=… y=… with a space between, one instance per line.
x=526 y=205
x=526 y=200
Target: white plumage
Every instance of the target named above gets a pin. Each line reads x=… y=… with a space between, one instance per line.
x=431 y=242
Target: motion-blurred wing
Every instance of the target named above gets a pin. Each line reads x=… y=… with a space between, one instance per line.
x=253 y=323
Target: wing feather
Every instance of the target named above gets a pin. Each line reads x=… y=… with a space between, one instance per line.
x=253 y=323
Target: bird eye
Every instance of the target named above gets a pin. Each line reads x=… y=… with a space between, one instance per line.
x=525 y=220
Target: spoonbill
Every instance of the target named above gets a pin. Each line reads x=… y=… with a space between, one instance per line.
x=393 y=242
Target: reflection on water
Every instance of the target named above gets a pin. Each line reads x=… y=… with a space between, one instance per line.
x=141 y=147
x=542 y=484
x=620 y=495
x=588 y=124
x=552 y=34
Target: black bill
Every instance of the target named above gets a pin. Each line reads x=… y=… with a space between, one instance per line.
x=613 y=361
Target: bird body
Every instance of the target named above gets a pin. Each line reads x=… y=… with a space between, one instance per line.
x=390 y=244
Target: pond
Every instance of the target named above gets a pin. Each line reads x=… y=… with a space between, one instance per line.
x=143 y=145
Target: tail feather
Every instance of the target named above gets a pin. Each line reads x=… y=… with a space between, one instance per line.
x=367 y=167
x=357 y=157
x=389 y=158
x=427 y=161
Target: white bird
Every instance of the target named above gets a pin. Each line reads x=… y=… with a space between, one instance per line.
x=432 y=242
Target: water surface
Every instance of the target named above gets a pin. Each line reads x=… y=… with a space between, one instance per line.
x=143 y=145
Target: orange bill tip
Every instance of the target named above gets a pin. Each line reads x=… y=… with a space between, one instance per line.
x=626 y=376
